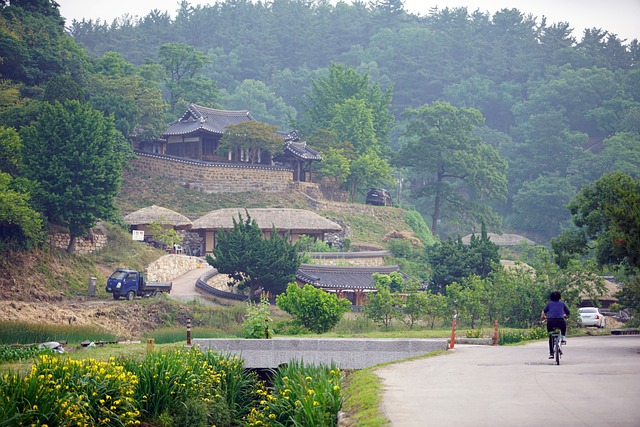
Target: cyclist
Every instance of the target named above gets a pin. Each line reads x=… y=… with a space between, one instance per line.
x=554 y=313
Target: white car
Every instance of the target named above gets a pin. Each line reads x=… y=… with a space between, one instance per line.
x=591 y=316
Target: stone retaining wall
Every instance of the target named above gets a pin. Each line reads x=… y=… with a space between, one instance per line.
x=83 y=245
x=168 y=267
x=216 y=177
x=346 y=353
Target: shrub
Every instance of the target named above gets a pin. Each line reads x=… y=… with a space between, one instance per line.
x=315 y=309
x=256 y=323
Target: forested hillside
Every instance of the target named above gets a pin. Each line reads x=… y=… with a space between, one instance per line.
x=469 y=117
x=560 y=110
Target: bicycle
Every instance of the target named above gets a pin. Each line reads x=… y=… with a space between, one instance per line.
x=557 y=345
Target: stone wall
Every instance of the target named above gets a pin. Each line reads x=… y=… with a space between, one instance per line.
x=168 y=267
x=366 y=259
x=216 y=177
x=83 y=245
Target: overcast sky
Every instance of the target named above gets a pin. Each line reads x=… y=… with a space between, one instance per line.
x=621 y=17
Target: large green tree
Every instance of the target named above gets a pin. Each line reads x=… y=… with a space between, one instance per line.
x=341 y=100
x=252 y=261
x=459 y=172
x=608 y=212
x=76 y=155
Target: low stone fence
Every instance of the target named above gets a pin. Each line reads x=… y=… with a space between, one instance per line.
x=346 y=353
x=83 y=245
x=170 y=266
x=362 y=259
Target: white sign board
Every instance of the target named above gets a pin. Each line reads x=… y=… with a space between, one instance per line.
x=137 y=235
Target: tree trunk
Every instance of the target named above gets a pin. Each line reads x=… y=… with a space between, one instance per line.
x=72 y=244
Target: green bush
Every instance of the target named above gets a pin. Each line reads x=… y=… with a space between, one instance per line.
x=315 y=309
x=256 y=324
x=13 y=354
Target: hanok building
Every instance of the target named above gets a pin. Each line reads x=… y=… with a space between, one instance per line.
x=196 y=136
x=143 y=218
x=350 y=282
x=291 y=222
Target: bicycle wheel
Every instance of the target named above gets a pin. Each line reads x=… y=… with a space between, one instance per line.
x=557 y=349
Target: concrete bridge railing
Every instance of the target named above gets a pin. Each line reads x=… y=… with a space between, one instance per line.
x=346 y=353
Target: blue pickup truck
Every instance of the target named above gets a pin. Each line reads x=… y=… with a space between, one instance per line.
x=132 y=284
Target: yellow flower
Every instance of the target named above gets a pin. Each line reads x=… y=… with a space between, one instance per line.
x=336 y=388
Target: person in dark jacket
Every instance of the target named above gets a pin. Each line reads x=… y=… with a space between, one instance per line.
x=554 y=313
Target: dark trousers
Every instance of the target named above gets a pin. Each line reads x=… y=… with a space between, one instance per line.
x=552 y=325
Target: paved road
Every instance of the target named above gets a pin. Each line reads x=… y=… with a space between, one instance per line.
x=597 y=384
x=184 y=287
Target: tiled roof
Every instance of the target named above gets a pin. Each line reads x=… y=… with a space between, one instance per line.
x=300 y=150
x=207 y=119
x=342 y=277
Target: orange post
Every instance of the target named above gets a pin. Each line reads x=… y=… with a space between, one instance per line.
x=495 y=334
x=453 y=333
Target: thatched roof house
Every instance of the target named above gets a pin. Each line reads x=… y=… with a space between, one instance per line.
x=501 y=239
x=140 y=219
x=296 y=222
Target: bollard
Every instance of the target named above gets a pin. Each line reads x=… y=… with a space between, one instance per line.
x=92 y=287
x=495 y=333
x=188 y=331
x=453 y=333
x=149 y=345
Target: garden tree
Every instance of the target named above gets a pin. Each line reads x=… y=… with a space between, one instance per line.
x=313 y=308
x=367 y=171
x=76 y=156
x=514 y=297
x=252 y=261
x=182 y=65
x=164 y=233
x=437 y=308
x=415 y=305
x=629 y=295
x=394 y=281
x=541 y=205
x=342 y=91
x=334 y=170
x=263 y=103
x=608 y=212
x=570 y=244
x=255 y=139
x=466 y=299
x=382 y=306
x=460 y=172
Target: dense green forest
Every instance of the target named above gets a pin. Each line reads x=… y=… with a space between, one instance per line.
x=467 y=117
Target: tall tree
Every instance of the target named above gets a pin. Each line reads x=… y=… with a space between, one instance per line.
x=76 y=155
x=608 y=211
x=324 y=104
x=458 y=170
